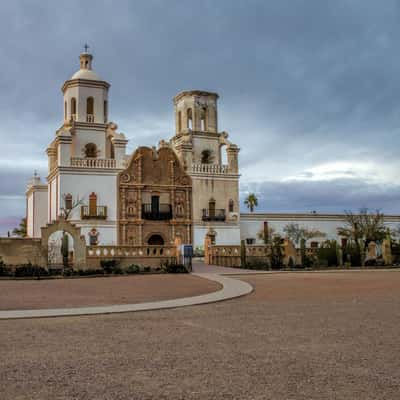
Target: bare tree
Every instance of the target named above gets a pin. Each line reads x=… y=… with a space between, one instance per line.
x=363 y=228
x=296 y=234
x=69 y=205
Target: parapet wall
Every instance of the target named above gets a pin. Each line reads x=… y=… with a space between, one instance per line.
x=17 y=251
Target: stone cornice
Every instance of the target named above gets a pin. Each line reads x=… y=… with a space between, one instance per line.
x=84 y=83
x=194 y=93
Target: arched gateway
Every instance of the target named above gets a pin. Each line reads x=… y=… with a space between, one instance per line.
x=79 y=244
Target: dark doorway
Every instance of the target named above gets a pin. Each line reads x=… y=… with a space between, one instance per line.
x=155 y=240
x=155 y=204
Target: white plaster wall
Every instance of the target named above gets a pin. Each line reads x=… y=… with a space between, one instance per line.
x=228 y=235
x=83 y=137
x=40 y=211
x=29 y=215
x=81 y=185
x=206 y=143
x=53 y=199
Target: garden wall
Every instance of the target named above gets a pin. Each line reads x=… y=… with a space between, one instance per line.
x=17 y=251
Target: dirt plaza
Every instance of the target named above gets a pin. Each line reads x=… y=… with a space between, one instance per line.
x=301 y=335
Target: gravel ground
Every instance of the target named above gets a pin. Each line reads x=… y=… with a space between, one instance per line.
x=298 y=336
x=59 y=293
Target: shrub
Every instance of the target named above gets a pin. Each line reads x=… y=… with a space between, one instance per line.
x=174 y=268
x=108 y=265
x=133 y=269
x=4 y=270
x=146 y=269
x=327 y=254
x=30 y=270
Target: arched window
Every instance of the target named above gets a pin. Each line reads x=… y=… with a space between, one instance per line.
x=90 y=150
x=179 y=122
x=231 y=205
x=189 y=119
x=73 y=108
x=206 y=156
x=90 y=109
x=65 y=110
x=203 y=119
x=155 y=240
x=105 y=110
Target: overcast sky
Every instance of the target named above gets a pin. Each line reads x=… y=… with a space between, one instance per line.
x=310 y=90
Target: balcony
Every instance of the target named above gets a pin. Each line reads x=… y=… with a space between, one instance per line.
x=100 y=212
x=107 y=163
x=162 y=213
x=213 y=215
x=212 y=169
x=89 y=118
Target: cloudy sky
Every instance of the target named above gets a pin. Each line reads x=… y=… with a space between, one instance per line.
x=310 y=89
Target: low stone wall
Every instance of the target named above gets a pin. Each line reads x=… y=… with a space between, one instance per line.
x=17 y=251
x=152 y=256
x=225 y=256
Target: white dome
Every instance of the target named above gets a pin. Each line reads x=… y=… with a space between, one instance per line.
x=86 y=74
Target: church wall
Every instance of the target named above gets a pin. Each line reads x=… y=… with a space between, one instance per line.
x=53 y=196
x=107 y=232
x=89 y=136
x=40 y=211
x=83 y=184
x=221 y=190
x=206 y=143
x=29 y=215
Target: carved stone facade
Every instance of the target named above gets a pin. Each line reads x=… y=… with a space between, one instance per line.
x=155 y=197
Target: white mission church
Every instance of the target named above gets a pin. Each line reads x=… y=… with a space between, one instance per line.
x=181 y=188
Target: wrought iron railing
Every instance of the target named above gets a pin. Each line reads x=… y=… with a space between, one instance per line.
x=99 y=213
x=163 y=212
x=213 y=214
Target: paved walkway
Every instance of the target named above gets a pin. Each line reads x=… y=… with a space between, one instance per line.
x=231 y=288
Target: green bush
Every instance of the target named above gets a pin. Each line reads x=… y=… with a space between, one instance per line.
x=146 y=269
x=327 y=254
x=133 y=269
x=109 y=265
x=4 y=270
x=174 y=268
x=30 y=270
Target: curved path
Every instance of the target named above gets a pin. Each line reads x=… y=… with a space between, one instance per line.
x=231 y=288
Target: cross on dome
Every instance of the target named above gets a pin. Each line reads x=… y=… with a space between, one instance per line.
x=86 y=47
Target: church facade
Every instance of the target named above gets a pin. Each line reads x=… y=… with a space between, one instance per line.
x=176 y=192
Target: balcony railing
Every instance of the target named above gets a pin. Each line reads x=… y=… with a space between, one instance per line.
x=210 y=169
x=89 y=118
x=213 y=215
x=164 y=212
x=93 y=162
x=99 y=213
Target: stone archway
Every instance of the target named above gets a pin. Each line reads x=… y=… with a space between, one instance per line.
x=155 y=240
x=79 y=241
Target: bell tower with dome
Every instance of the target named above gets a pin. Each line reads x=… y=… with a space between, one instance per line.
x=201 y=148
x=85 y=158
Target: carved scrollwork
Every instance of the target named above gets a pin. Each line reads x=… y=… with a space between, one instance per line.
x=125 y=177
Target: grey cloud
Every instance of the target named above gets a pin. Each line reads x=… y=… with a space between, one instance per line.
x=301 y=81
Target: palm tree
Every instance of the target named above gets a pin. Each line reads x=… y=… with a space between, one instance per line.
x=251 y=201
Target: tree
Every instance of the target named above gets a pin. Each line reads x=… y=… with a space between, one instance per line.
x=22 y=229
x=251 y=201
x=363 y=228
x=296 y=234
x=69 y=205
